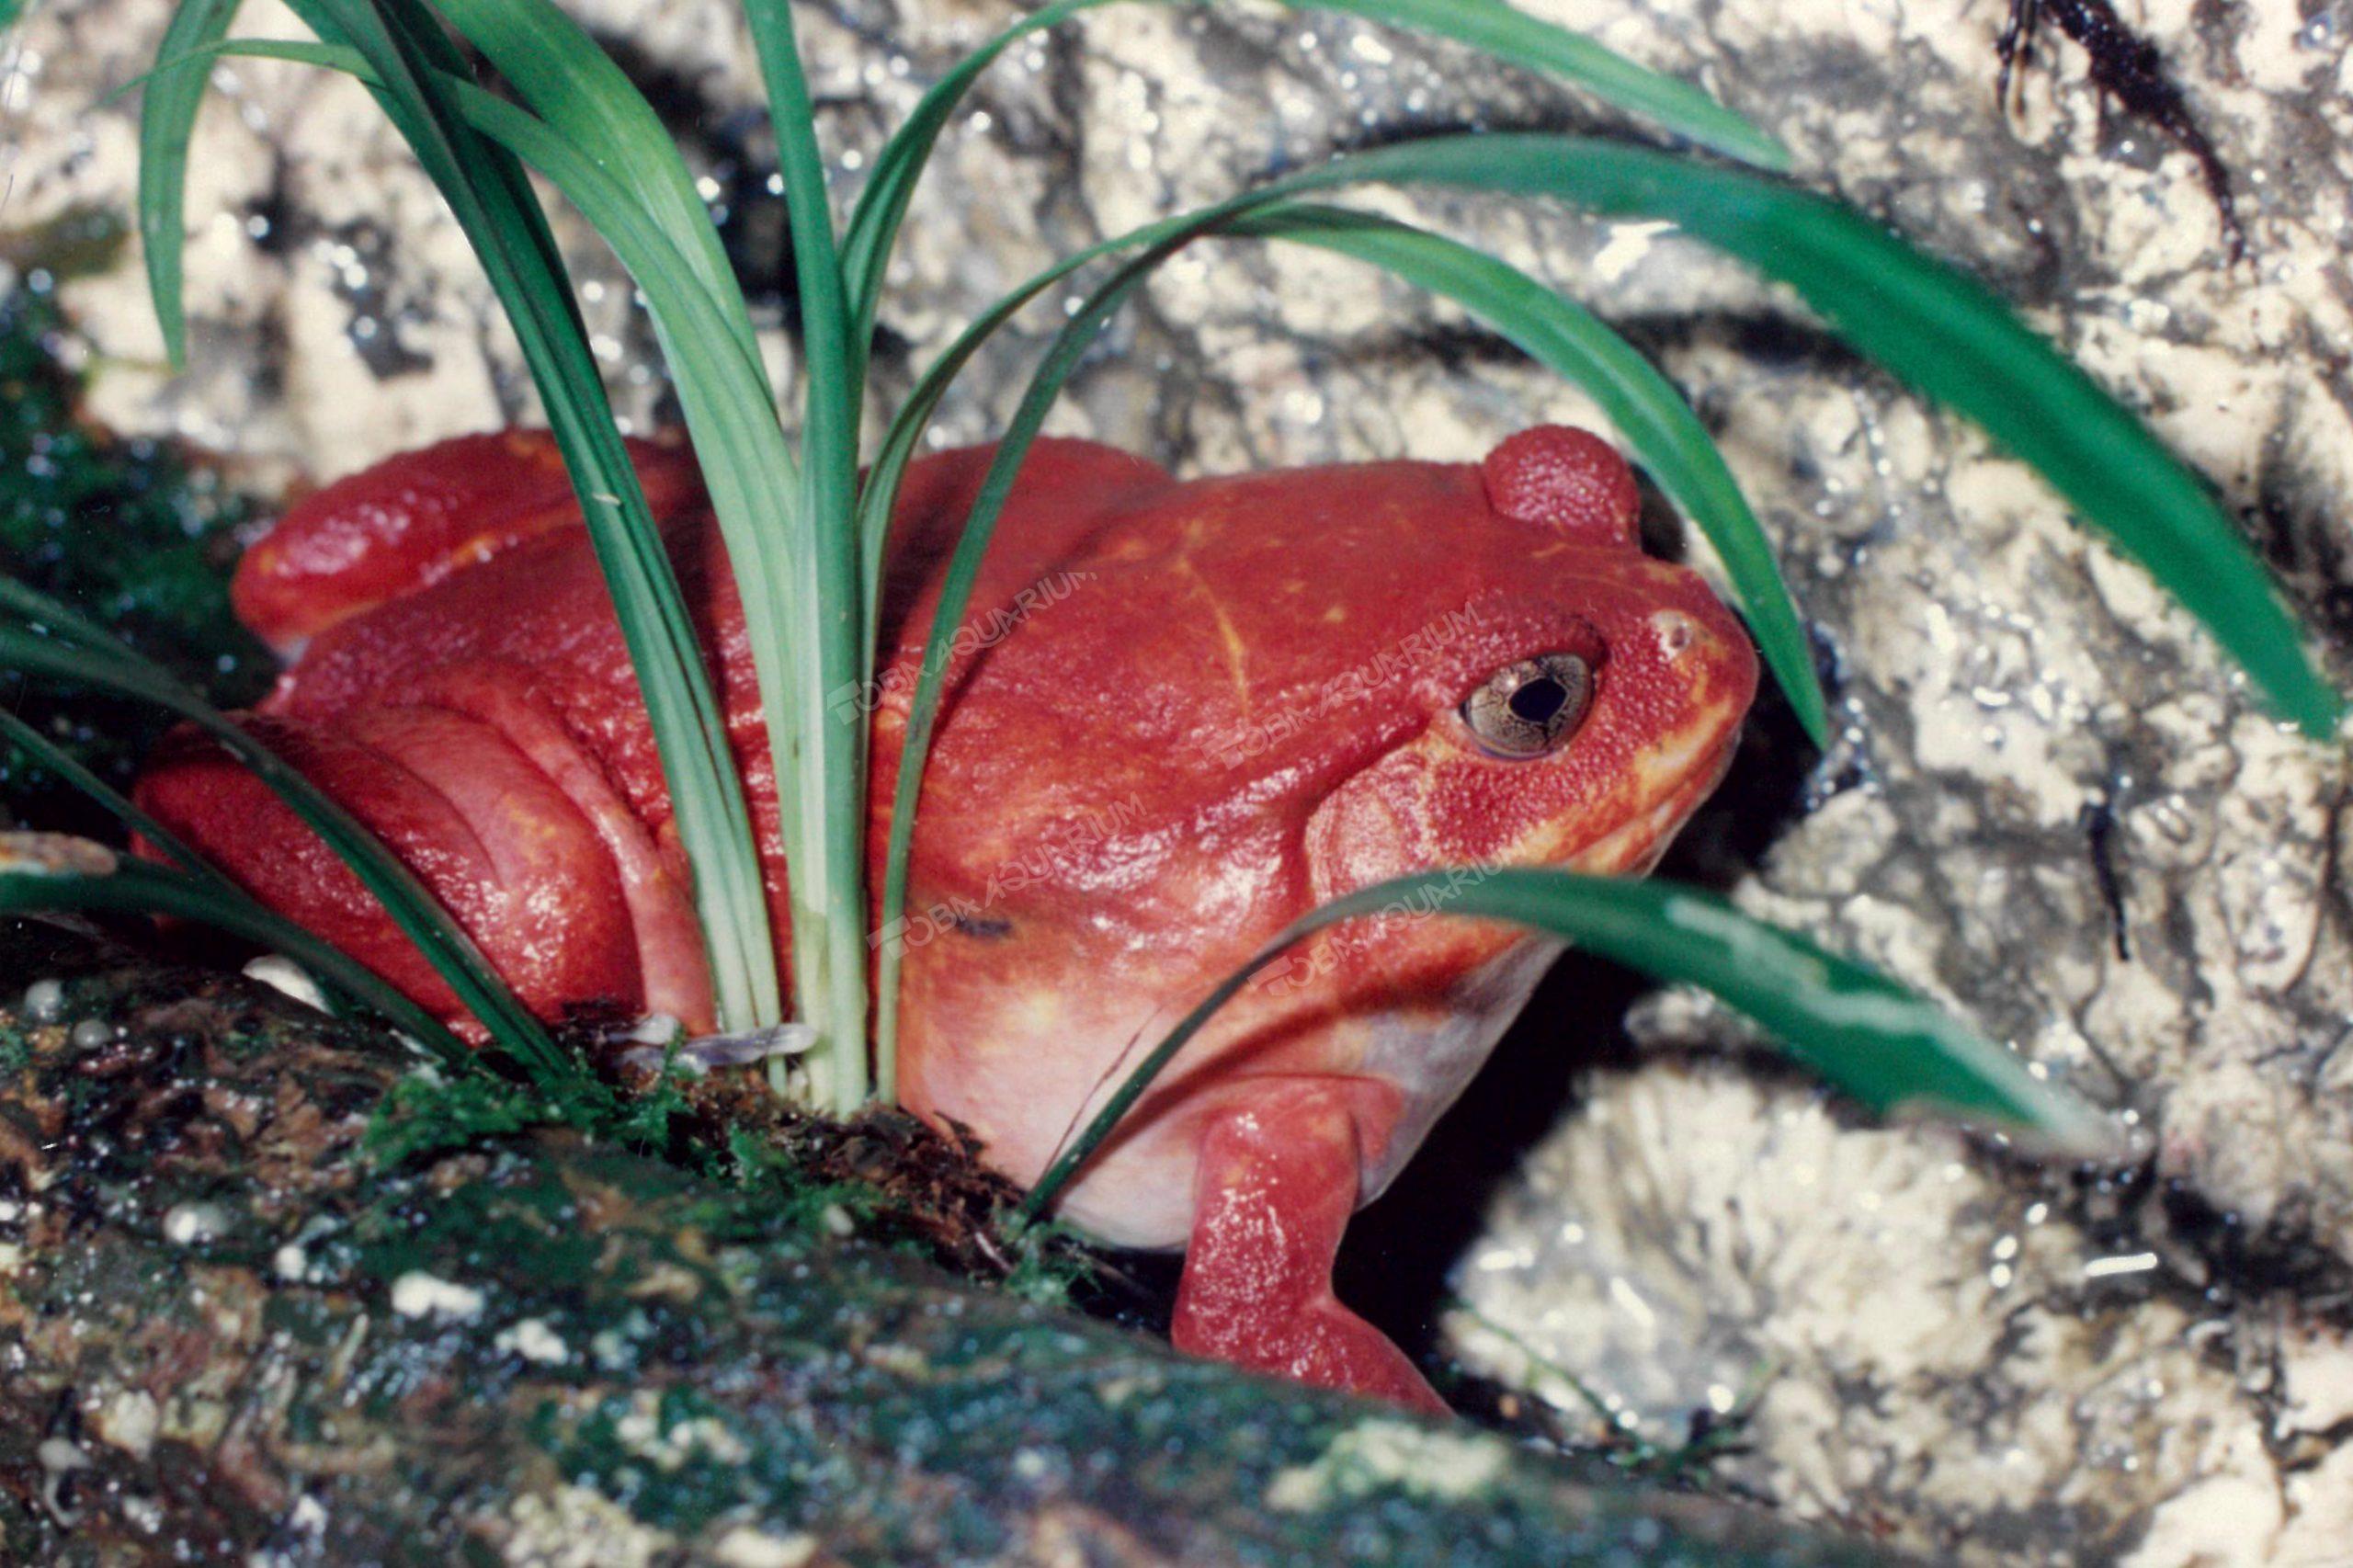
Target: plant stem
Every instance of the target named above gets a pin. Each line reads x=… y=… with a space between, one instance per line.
x=827 y=784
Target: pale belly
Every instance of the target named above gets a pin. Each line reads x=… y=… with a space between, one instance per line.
x=1138 y=1190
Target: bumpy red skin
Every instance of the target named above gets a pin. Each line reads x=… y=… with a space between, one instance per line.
x=1182 y=714
x=406 y=524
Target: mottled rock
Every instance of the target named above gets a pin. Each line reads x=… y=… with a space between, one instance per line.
x=547 y=1351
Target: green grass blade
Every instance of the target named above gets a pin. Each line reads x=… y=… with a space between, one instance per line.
x=1489 y=25
x=882 y=206
x=1941 y=331
x=1666 y=437
x=1520 y=40
x=35 y=879
x=58 y=621
x=1866 y=1036
x=904 y=438
x=827 y=788
x=750 y=470
x=411 y=905
x=166 y=122
x=747 y=465
x=573 y=85
x=55 y=757
x=411 y=64
x=1070 y=346
x=1558 y=333
x=1923 y=320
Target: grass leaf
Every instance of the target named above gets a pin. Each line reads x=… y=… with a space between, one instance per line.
x=574 y=87
x=1866 y=1036
x=748 y=467
x=1920 y=318
x=1944 y=334
x=412 y=64
x=57 y=620
x=410 y=904
x=58 y=760
x=1666 y=437
x=1070 y=346
x=1518 y=38
x=1502 y=31
x=36 y=877
x=827 y=789
x=905 y=437
x=167 y=123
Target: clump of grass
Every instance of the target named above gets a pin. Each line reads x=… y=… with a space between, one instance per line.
x=805 y=534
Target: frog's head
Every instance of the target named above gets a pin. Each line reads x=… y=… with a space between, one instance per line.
x=1563 y=699
x=1230 y=701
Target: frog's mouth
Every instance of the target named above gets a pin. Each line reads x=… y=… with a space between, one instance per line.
x=1636 y=846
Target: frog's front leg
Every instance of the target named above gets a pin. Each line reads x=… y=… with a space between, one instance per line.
x=1279 y=1171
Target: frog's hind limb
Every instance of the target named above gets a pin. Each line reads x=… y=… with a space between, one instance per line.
x=1279 y=1171
x=475 y=785
x=404 y=524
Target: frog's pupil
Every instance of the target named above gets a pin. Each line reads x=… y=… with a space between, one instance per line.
x=1539 y=701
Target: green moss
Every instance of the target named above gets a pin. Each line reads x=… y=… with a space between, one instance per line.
x=76 y=242
x=139 y=533
x=881 y=1176
x=427 y=1114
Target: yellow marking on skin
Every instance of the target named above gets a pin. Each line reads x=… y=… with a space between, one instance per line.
x=1335 y=616
x=1237 y=653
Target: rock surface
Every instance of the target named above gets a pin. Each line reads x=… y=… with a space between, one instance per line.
x=2051 y=803
x=236 y=1327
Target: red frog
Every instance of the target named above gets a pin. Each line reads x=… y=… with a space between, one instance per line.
x=1181 y=715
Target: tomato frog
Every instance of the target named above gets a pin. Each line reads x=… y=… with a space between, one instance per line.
x=1179 y=715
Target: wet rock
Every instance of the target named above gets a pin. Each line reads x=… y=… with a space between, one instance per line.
x=234 y=1328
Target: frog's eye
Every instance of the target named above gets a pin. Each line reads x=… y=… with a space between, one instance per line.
x=1528 y=709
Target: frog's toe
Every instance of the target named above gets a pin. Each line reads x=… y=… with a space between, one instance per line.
x=1280 y=1170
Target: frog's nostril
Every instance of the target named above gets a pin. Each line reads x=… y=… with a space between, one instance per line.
x=1675 y=631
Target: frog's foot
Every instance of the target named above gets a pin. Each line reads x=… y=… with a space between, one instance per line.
x=1278 y=1175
